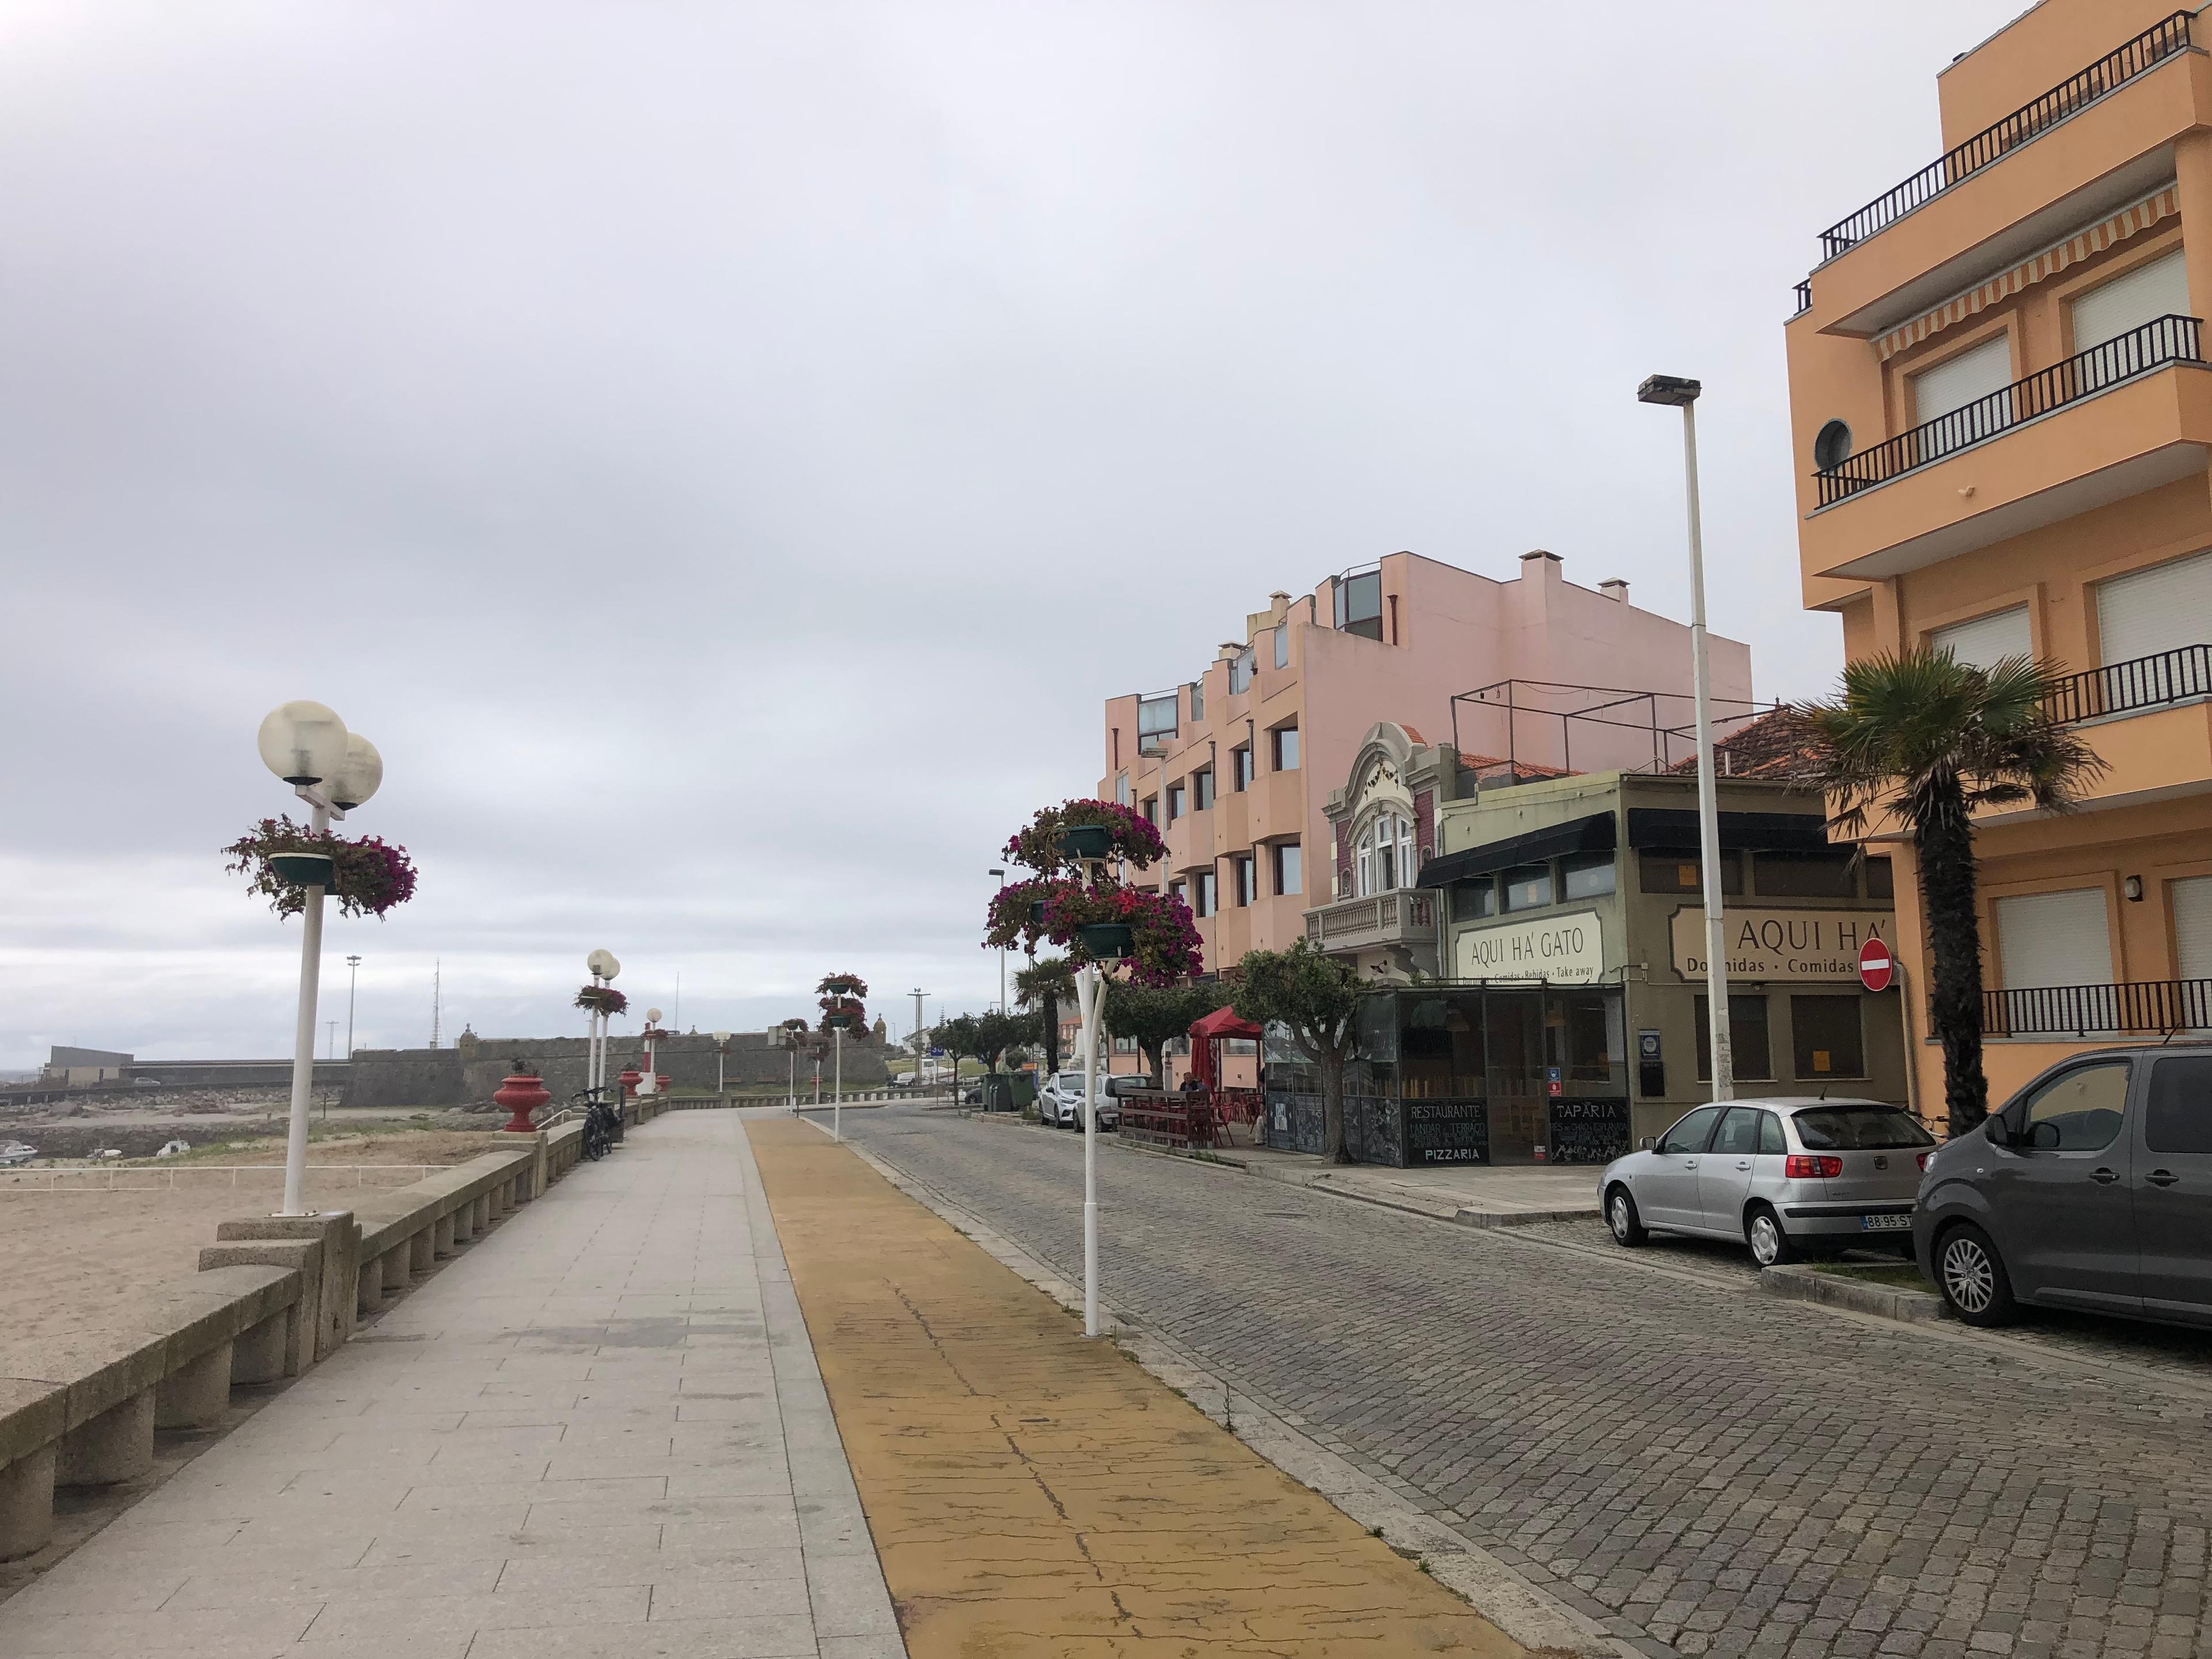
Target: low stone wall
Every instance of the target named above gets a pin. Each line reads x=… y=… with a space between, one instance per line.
x=274 y=1295
x=470 y=1071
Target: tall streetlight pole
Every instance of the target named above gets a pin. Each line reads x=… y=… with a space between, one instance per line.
x=1669 y=391
x=1001 y=875
x=334 y=771
x=353 y=978
x=919 y=1046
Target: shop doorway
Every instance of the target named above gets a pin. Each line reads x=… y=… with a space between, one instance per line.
x=1513 y=1024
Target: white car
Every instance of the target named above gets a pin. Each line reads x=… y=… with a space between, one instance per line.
x=174 y=1149
x=1059 y=1101
x=15 y=1152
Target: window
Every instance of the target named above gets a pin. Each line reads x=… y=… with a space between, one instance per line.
x=1180 y=890
x=1178 y=801
x=1359 y=605
x=1283 y=742
x=2147 y=613
x=1859 y=1129
x=2078 y=1111
x=1802 y=875
x=1965 y=379
x=1825 y=1038
x=1283 y=647
x=1197 y=702
x=1240 y=769
x=1240 y=673
x=1738 y=1132
x=1586 y=875
x=1471 y=901
x=2157 y=288
x=1151 y=811
x=1528 y=887
x=1201 y=783
x=1156 y=719
x=1690 y=1134
x=1122 y=790
x=1747 y=1039
x=1244 y=871
x=1289 y=877
x=1681 y=872
x=2054 y=938
x=1987 y=640
x=1770 y=1138
x=1204 y=883
x=2181 y=1118
x=1880 y=880
x=2192 y=926
x=1408 y=866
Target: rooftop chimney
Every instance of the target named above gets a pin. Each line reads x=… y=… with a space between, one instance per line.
x=1615 y=589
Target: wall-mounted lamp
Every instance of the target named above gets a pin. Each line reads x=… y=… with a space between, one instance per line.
x=2132 y=886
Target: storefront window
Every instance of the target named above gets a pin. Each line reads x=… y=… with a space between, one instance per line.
x=1826 y=1037
x=1678 y=873
x=1803 y=875
x=1471 y=901
x=1747 y=1039
x=1586 y=875
x=1584 y=1036
x=1441 y=1046
x=1880 y=880
x=1528 y=887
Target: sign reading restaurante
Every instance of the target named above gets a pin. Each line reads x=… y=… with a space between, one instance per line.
x=1779 y=945
x=1567 y=949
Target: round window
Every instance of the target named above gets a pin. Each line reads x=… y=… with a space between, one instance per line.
x=1833 y=447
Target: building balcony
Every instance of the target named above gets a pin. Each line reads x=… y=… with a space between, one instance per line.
x=2129 y=415
x=2136 y=1008
x=2102 y=138
x=1407 y=917
x=2134 y=688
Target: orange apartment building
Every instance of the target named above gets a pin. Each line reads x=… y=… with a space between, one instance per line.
x=2001 y=414
x=1237 y=766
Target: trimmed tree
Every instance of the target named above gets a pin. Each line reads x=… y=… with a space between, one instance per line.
x=1924 y=739
x=1156 y=1015
x=1317 y=999
x=995 y=1033
x=1044 y=986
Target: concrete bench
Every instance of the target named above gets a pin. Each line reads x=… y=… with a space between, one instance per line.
x=81 y=1412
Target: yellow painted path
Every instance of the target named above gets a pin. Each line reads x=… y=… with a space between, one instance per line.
x=1033 y=1495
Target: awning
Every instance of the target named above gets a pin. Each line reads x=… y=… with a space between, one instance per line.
x=1221 y=1023
x=1594 y=834
x=1764 y=832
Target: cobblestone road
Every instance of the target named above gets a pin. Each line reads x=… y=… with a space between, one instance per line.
x=1715 y=1471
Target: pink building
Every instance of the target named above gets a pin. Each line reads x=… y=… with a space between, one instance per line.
x=1237 y=766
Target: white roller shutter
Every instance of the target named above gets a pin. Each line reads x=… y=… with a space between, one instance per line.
x=2159 y=289
x=2161 y=609
x=2055 y=939
x=1987 y=640
x=2193 y=927
x=1953 y=384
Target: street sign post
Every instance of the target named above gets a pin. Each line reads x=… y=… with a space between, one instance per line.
x=1876 y=966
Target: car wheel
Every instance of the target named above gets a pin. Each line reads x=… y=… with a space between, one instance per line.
x=1620 y=1216
x=1771 y=1247
x=1972 y=1277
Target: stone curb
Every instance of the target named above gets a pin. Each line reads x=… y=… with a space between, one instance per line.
x=1518 y=1218
x=1837 y=1290
x=1528 y=1613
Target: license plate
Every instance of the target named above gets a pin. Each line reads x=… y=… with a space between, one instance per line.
x=1886 y=1224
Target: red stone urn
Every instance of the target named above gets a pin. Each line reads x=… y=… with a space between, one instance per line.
x=630 y=1080
x=660 y=1082
x=523 y=1093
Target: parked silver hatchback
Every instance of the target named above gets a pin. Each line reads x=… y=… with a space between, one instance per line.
x=1787 y=1176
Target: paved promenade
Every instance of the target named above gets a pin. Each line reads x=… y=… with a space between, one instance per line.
x=600 y=1434
x=1035 y=1495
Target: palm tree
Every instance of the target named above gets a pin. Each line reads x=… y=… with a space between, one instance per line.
x=1925 y=740
x=1044 y=985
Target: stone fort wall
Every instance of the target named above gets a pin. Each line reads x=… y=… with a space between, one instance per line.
x=466 y=1073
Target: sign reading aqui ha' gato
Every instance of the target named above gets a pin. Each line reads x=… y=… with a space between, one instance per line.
x=1567 y=949
x=1779 y=945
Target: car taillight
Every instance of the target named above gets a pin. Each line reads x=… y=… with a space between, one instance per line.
x=1923 y=1159
x=1801 y=1167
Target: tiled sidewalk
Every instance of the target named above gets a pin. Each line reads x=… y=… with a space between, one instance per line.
x=601 y=1432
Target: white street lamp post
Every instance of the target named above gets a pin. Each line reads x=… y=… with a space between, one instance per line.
x=838 y=1086
x=1090 y=999
x=604 y=969
x=333 y=771
x=353 y=980
x=1000 y=873
x=1668 y=390
x=721 y=1053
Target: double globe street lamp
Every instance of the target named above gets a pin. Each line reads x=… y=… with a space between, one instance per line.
x=334 y=771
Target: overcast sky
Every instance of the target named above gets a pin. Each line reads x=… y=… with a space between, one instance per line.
x=723 y=454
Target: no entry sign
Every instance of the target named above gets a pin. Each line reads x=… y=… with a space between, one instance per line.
x=1876 y=966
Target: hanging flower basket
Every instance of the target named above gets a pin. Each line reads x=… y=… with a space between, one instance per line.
x=1151 y=934
x=601 y=1000
x=281 y=859
x=1054 y=841
x=1107 y=941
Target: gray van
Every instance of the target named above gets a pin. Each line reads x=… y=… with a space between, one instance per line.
x=2091 y=1188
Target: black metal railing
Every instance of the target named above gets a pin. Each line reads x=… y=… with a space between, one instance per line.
x=2108 y=74
x=2121 y=688
x=2142 y=1005
x=2163 y=340
x=1804 y=296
